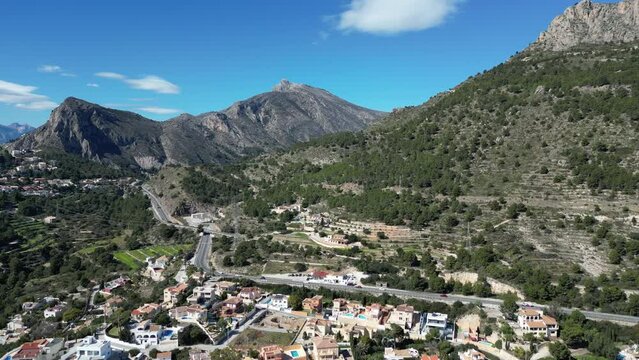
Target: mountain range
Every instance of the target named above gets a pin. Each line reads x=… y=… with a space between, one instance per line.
x=288 y=114
x=13 y=131
x=537 y=157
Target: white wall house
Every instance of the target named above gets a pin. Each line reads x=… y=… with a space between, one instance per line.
x=93 y=349
x=534 y=321
x=146 y=333
x=279 y=302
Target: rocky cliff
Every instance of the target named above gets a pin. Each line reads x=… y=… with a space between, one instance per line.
x=592 y=23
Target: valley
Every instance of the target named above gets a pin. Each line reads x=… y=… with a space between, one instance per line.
x=499 y=219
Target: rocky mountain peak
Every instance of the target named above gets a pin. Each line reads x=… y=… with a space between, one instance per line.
x=285 y=86
x=590 y=22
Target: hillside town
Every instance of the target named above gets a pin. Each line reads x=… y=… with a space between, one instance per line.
x=208 y=314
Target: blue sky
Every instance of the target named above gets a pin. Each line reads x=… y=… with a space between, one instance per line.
x=162 y=58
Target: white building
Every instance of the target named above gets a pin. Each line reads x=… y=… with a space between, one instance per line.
x=155 y=268
x=438 y=321
x=93 y=349
x=146 y=333
x=54 y=312
x=279 y=302
x=202 y=293
x=534 y=321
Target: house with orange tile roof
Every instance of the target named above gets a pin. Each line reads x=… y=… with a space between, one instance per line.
x=145 y=311
x=313 y=304
x=271 y=352
x=172 y=292
x=534 y=321
x=404 y=315
x=325 y=348
x=250 y=295
x=429 y=357
x=41 y=349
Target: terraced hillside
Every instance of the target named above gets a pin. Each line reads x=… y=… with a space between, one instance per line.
x=544 y=145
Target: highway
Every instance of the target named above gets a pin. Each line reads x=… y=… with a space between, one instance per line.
x=158 y=211
x=201 y=260
x=428 y=296
x=201 y=257
x=161 y=215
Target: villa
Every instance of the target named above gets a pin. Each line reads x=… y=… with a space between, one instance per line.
x=534 y=321
x=145 y=311
x=171 y=293
x=42 y=349
x=231 y=307
x=189 y=313
x=155 y=268
x=54 y=311
x=439 y=322
x=317 y=327
x=93 y=349
x=250 y=295
x=313 y=304
x=294 y=352
x=271 y=352
x=202 y=293
x=325 y=348
x=147 y=333
x=404 y=315
x=279 y=302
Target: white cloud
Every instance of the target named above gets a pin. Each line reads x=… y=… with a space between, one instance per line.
x=49 y=68
x=38 y=105
x=110 y=75
x=387 y=17
x=154 y=83
x=150 y=83
x=94 y=85
x=23 y=97
x=158 y=110
x=55 y=69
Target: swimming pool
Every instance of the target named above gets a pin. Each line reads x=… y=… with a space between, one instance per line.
x=295 y=354
x=166 y=334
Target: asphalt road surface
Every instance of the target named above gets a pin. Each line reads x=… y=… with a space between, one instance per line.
x=201 y=257
x=428 y=296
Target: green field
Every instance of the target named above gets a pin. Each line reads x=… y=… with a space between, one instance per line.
x=135 y=258
x=36 y=233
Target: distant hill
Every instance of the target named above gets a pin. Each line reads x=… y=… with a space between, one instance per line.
x=289 y=114
x=13 y=131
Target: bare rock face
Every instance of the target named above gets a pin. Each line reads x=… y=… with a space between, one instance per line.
x=592 y=23
x=289 y=114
